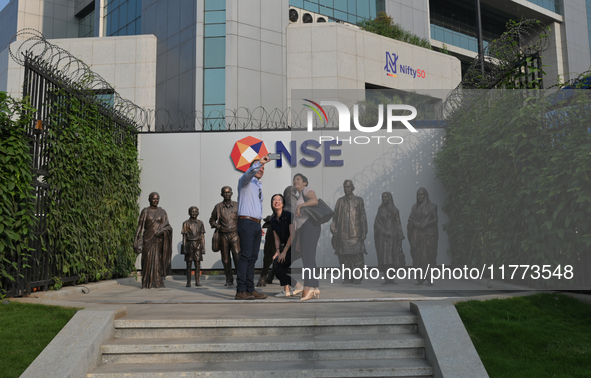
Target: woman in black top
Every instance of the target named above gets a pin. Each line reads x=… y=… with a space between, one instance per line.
x=282 y=229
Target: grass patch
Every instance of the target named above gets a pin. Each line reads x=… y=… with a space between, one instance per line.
x=543 y=335
x=25 y=330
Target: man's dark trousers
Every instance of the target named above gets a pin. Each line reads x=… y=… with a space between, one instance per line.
x=250 y=234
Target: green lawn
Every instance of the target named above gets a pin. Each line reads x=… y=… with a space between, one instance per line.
x=543 y=335
x=25 y=330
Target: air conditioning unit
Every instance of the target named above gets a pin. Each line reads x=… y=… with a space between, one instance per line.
x=302 y=16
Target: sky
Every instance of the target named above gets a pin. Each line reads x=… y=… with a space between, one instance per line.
x=3 y=4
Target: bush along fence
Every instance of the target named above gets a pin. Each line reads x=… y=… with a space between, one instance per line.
x=516 y=164
x=517 y=169
x=79 y=210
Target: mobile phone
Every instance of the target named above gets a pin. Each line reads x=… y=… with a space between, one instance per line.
x=274 y=156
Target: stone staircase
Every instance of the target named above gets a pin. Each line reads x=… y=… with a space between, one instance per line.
x=307 y=346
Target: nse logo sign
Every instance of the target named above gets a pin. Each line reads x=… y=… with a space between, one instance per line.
x=249 y=148
x=391 y=67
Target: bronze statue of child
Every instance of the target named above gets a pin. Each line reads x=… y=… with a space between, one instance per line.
x=193 y=244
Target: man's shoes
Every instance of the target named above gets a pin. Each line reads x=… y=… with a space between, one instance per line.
x=229 y=283
x=244 y=296
x=256 y=295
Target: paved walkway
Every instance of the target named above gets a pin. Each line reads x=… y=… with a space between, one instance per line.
x=128 y=293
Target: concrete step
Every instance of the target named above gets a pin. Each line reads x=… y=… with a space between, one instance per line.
x=264 y=348
x=137 y=328
x=402 y=367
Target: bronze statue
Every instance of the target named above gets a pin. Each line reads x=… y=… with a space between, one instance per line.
x=224 y=218
x=349 y=229
x=153 y=239
x=193 y=244
x=423 y=232
x=388 y=236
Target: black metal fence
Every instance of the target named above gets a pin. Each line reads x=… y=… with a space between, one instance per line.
x=48 y=90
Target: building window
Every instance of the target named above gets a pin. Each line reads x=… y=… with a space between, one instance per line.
x=552 y=5
x=351 y=11
x=214 y=65
x=86 y=21
x=454 y=23
x=122 y=17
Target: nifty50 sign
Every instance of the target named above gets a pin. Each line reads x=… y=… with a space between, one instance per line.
x=392 y=65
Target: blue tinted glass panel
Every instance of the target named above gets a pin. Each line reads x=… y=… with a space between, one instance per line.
x=296 y=3
x=214 y=86
x=352 y=19
x=351 y=6
x=372 y=9
x=115 y=20
x=130 y=29
x=311 y=7
x=138 y=27
x=326 y=11
x=340 y=5
x=211 y=5
x=123 y=15
x=131 y=11
x=326 y=3
x=217 y=17
x=215 y=52
x=340 y=15
x=363 y=8
x=215 y=30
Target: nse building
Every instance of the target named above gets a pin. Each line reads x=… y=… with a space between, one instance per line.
x=217 y=72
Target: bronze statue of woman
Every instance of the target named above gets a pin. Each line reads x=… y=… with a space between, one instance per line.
x=423 y=233
x=388 y=237
x=154 y=240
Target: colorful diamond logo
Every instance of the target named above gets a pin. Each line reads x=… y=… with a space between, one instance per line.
x=246 y=150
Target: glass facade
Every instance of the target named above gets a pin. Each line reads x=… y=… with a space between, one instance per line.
x=86 y=22
x=552 y=5
x=454 y=23
x=350 y=11
x=214 y=64
x=123 y=17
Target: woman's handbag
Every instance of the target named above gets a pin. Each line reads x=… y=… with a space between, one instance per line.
x=318 y=214
x=215 y=241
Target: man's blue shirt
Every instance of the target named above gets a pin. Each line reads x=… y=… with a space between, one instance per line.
x=250 y=193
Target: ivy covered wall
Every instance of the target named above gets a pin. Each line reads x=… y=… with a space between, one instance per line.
x=94 y=178
x=16 y=190
x=517 y=169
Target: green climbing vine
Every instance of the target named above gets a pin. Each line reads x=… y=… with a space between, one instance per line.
x=94 y=180
x=517 y=169
x=16 y=190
